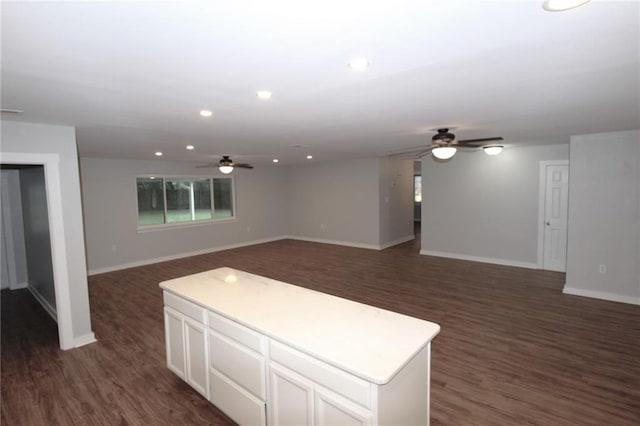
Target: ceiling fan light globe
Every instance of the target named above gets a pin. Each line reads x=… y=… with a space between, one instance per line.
x=444 y=152
x=493 y=150
x=225 y=169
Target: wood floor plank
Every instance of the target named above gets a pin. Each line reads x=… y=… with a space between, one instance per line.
x=513 y=349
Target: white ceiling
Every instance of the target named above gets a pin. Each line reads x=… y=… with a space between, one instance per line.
x=133 y=76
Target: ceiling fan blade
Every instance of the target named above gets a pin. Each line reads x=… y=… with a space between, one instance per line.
x=495 y=138
x=243 y=166
x=413 y=154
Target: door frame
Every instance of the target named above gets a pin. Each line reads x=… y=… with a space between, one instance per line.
x=53 y=185
x=542 y=188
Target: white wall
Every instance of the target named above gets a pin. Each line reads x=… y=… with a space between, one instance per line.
x=336 y=202
x=362 y=203
x=604 y=216
x=110 y=208
x=396 y=201
x=485 y=208
x=21 y=140
x=37 y=238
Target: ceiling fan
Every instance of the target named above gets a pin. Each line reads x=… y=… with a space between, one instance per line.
x=444 y=145
x=226 y=165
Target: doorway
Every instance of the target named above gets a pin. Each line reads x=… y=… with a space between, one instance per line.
x=50 y=164
x=417 y=201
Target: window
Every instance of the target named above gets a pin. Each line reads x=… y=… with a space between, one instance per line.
x=417 y=189
x=172 y=200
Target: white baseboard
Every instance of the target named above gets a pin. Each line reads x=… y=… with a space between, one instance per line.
x=19 y=286
x=398 y=241
x=352 y=244
x=84 y=340
x=612 y=297
x=180 y=256
x=335 y=242
x=77 y=341
x=45 y=304
x=504 y=262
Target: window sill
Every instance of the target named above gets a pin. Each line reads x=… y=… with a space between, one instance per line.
x=180 y=225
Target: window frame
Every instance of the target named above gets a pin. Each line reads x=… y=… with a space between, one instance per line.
x=190 y=223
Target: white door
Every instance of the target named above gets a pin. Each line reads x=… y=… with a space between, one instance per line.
x=556 y=200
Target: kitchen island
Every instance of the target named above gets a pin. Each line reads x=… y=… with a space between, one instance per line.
x=268 y=352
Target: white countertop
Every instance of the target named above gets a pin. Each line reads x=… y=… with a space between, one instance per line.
x=371 y=343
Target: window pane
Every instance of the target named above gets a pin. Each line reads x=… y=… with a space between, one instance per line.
x=188 y=200
x=417 y=189
x=202 y=198
x=150 y=201
x=222 y=198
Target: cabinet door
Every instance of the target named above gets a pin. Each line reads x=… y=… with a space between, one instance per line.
x=195 y=336
x=291 y=397
x=174 y=340
x=332 y=409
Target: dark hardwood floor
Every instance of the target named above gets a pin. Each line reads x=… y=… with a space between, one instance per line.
x=513 y=349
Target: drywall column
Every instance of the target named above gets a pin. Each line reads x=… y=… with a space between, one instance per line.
x=603 y=252
x=396 y=201
x=55 y=148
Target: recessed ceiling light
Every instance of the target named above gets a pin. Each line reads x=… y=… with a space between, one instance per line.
x=561 y=5
x=359 y=64
x=264 y=94
x=206 y=113
x=309 y=157
x=190 y=147
x=158 y=154
x=152 y=177
x=275 y=160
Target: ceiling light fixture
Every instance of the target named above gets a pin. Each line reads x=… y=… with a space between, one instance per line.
x=226 y=165
x=309 y=157
x=158 y=154
x=359 y=64
x=275 y=160
x=206 y=113
x=264 y=94
x=562 y=5
x=444 y=152
x=493 y=150
x=190 y=147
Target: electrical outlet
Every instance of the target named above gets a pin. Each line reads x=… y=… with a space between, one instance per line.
x=602 y=268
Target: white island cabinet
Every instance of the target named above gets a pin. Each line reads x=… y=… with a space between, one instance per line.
x=267 y=352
